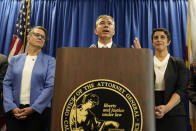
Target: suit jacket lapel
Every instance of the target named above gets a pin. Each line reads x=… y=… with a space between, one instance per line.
x=114 y=45
x=167 y=72
x=97 y=45
x=19 y=66
x=37 y=67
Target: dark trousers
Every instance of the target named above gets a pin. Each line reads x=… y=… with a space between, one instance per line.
x=174 y=123
x=34 y=122
x=168 y=123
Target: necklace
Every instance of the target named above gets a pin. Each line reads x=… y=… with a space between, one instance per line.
x=32 y=58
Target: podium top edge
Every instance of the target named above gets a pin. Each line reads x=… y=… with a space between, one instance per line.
x=85 y=48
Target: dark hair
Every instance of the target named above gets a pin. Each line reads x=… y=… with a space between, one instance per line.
x=162 y=30
x=41 y=28
x=103 y=16
x=92 y=97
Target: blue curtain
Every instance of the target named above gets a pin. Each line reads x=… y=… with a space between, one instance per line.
x=9 y=9
x=71 y=23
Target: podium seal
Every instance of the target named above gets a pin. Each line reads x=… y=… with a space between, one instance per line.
x=101 y=105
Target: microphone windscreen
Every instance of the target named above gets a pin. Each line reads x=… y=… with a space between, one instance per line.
x=93 y=46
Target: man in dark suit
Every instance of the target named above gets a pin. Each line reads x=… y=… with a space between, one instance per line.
x=3 y=68
x=105 y=30
x=191 y=90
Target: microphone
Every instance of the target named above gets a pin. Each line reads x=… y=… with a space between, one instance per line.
x=93 y=46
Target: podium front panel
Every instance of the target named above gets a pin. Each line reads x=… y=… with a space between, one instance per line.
x=83 y=71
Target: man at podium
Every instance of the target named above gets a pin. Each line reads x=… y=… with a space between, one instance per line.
x=105 y=30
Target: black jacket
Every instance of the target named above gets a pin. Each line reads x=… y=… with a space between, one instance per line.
x=176 y=79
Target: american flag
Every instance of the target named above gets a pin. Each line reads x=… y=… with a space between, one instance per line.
x=22 y=28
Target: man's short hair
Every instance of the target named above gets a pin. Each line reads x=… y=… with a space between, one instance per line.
x=102 y=16
x=166 y=32
x=41 y=28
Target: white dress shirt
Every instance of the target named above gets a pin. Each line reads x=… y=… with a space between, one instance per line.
x=108 y=45
x=26 y=79
x=159 y=68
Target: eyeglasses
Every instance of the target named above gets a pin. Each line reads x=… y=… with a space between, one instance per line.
x=39 y=35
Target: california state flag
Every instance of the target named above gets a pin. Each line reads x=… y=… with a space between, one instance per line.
x=191 y=31
x=191 y=49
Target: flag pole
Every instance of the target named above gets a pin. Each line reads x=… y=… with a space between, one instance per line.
x=189 y=44
x=26 y=24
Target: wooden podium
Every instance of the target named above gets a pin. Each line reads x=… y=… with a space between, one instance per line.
x=132 y=68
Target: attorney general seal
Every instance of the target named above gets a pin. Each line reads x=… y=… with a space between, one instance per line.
x=101 y=105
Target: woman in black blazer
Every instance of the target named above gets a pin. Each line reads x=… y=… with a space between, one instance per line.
x=170 y=81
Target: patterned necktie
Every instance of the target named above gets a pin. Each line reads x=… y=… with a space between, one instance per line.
x=105 y=46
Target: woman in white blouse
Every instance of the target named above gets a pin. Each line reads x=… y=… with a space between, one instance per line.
x=28 y=86
x=170 y=80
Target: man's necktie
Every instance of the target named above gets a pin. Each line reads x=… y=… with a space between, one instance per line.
x=104 y=46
